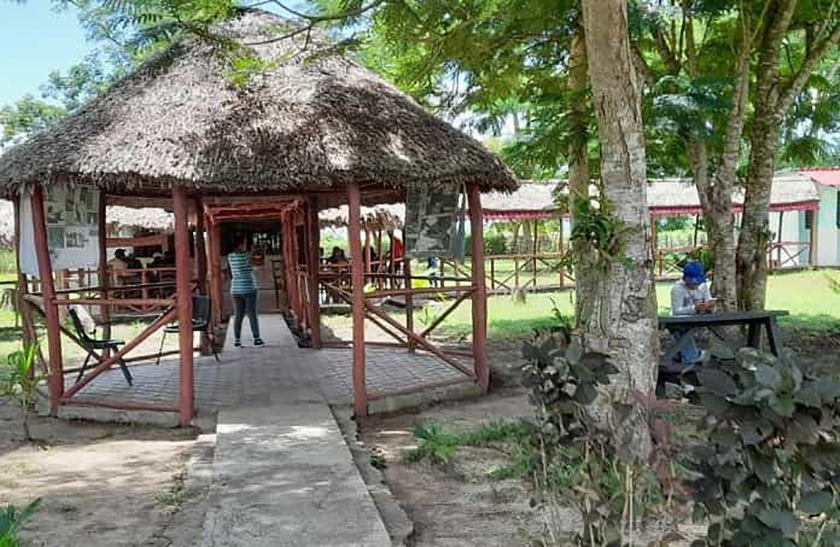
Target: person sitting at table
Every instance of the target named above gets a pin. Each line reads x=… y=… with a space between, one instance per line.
x=690 y=296
x=338 y=257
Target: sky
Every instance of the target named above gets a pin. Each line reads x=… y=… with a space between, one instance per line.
x=34 y=41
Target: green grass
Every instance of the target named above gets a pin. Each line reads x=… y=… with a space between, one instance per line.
x=806 y=295
x=438 y=444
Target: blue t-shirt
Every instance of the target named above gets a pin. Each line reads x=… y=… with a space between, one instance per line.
x=241 y=274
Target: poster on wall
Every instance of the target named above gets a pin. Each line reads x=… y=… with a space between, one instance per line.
x=72 y=217
x=434 y=222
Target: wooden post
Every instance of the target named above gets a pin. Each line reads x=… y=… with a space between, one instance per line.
x=479 y=297
x=696 y=227
x=409 y=301
x=812 y=251
x=314 y=239
x=358 y=300
x=536 y=247
x=216 y=283
x=56 y=378
x=368 y=265
x=779 y=250
x=201 y=266
x=104 y=275
x=561 y=247
x=183 y=291
x=200 y=247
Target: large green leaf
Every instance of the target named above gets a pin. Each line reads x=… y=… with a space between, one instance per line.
x=767 y=376
x=816 y=502
x=804 y=429
x=718 y=382
x=785 y=521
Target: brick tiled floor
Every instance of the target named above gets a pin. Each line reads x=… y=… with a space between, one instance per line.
x=251 y=375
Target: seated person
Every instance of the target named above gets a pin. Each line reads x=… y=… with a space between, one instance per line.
x=690 y=296
x=338 y=257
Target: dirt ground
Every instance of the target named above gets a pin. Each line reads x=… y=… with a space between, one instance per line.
x=457 y=506
x=102 y=485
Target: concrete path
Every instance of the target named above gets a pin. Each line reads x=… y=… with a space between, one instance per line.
x=282 y=472
x=283 y=476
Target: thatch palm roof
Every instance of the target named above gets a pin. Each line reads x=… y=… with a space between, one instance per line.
x=312 y=122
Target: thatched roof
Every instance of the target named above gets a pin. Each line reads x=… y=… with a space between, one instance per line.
x=381 y=217
x=146 y=218
x=790 y=191
x=312 y=122
x=531 y=197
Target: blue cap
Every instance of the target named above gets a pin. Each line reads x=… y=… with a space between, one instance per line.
x=693 y=273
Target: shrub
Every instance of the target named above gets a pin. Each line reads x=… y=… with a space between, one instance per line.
x=769 y=474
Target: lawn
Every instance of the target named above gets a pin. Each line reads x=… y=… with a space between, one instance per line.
x=806 y=295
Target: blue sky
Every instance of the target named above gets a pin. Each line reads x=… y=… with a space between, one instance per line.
x=34 y=41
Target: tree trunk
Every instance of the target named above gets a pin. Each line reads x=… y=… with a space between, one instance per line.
x=751 y=259
x=578 y=154
x=622 y=305
x=755 y=225
x=716 y=192
x=773 y=99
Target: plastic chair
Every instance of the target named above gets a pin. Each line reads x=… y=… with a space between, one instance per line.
x=200 y=323
x=93 y=344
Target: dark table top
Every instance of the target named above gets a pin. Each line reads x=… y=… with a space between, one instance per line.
x=716 y=319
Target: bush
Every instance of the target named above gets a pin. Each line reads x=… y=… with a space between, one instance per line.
x=579 y=461
x=769 y=474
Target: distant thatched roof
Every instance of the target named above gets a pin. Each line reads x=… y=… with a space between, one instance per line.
x=790 y=191
x=531 y=197
x=381 y=217
x=312 y=122
x=146 y=218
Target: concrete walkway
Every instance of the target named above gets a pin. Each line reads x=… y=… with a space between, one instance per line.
x=283 y=476
x=282 y=472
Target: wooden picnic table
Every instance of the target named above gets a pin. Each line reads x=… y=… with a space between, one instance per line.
x=754 y=320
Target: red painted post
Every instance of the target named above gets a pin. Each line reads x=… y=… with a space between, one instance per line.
x=479 y=297
x=183 y=291
x=357 y=281
x=216 y=283
x=314 y=271
x=104 y=276
x=56 y=378
x=200 y=247
x=201 y=265
x=409 y=302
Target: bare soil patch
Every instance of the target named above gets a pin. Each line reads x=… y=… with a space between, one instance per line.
x=102 y=485
x=456 y=505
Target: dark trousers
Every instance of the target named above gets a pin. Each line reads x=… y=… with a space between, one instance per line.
x=242 y=304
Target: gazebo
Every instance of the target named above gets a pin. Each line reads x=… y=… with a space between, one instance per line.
x=312 y=131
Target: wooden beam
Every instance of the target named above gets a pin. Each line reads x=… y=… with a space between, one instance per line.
x=479 y=297
x=358 y=298
x=812 y=251
x=30 y=336
x=104 y=276
x=440 y=318
x=201 y=266
x=144 y=241
x=56 y=378
x=409 y=301
x=216 y=281
x=183 y=278
x=314 y=266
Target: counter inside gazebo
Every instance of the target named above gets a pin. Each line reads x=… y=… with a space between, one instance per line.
x=312 y=133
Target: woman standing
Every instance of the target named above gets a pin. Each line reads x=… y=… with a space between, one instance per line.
x=243 y=289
